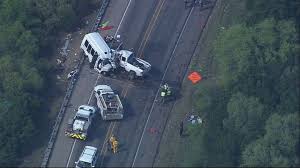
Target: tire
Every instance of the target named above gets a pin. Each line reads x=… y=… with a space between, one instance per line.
x=131 y=75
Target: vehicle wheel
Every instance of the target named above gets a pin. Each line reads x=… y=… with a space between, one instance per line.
x=131 y=75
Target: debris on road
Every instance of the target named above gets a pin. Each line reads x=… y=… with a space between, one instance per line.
x=104 y=26
x=153 y=130
x=72 y=73
x=61 y=60
x=58 y=61
x=58 y=77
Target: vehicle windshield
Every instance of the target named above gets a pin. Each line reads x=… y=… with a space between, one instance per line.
x=83 y=164
x=81 y=118
x=131 y=59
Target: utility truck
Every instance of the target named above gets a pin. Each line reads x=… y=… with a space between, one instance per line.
x=106 y=60
x=79 y=125
x=88 y=157
x=109 y=103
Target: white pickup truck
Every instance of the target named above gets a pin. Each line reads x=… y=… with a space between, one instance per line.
x=88 y=157
x=79 y=125
x=135 y=66
x=109 y=103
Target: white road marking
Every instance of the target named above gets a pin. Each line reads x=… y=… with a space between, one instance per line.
x=71 y=152
x=98 y=77
x=91 y=95
x=122 y=18
x=152 y=107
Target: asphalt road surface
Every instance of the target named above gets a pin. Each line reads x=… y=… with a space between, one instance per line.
x=163 y=33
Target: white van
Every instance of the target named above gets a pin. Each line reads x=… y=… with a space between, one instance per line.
x=88 y=157
x=94 y=46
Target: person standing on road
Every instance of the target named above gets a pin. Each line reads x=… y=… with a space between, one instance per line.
x=111 y=140
x=181 y=128
x=113 y=144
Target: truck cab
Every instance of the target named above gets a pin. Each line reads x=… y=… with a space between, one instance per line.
x=135 y=66
x=88 y=157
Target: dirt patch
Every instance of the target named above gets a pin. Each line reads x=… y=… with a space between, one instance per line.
x=172 y=145
x=69 y=53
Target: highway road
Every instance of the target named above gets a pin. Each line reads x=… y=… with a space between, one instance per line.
x=165 y=34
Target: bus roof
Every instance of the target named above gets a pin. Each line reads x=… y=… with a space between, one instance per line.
x=99 y=45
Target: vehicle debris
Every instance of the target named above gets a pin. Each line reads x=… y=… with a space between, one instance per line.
x=72 y=73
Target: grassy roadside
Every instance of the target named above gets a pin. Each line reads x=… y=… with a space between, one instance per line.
x=176 y=151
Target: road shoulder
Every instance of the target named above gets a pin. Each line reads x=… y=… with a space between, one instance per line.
x=172 y=144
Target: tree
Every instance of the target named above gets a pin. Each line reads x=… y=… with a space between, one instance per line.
x=11 y=11
x=232 y=50
x=27 y=29
x=258 y=68
x=67 y=16
x=251 y=59
x=245 y=118
x=279 y=146
x=279 y=9
x=288 y=88
x=16 y=130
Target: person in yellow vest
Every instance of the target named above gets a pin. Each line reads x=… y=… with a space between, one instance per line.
x=113 y=143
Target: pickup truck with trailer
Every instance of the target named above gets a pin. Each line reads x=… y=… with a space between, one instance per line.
x=109 y=103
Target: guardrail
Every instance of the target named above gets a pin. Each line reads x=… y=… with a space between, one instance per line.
x=69 y=91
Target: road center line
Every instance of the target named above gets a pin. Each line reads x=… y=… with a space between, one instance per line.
x=74 y=143
x=165 y=72
x=149 y=29
x=106 y=136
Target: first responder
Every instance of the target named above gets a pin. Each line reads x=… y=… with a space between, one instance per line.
x=113 y=143
x=166 y=91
